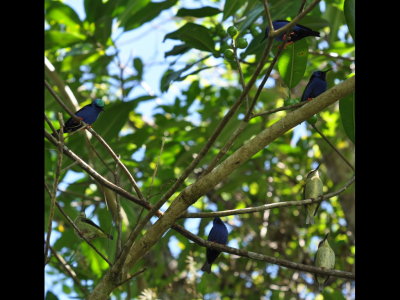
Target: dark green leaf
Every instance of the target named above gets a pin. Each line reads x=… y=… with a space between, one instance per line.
x=231 y=7
x=138 y=64
x=194 y=35
x=113 y=118
x=51 y=296
x=205 y=11
x=349 y=14
x=178 y=49
x=346 y=107
x=146 y=14
x=335 y=18
x=251 y=17
x=292 y=63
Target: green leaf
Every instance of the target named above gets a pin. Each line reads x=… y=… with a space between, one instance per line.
x=231 y=7
x=346 y=108
x=131 y=9
x=138 y=65
x=292 y=63
x=114 y=117
x=335 y=18
x=205 y=11
x=251 y=17
x=51 y=296
x=349 y=14
x=194 y=35
x=178 y=49
x=63 y=14
x=60 y=39
x=147 y=13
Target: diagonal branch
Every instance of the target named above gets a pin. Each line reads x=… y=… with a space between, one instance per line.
x=68 y=269
x=76 y=228
x=274 y=260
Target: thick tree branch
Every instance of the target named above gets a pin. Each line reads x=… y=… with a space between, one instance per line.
x=192 y=193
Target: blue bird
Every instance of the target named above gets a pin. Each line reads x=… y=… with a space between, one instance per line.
x=218 y=234
x=88 y=114
x=316 y=85
x=297 y=32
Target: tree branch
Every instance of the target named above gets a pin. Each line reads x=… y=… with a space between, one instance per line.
x=193 y=192
x=267 y=206
x=68 y=269
x=76 y=228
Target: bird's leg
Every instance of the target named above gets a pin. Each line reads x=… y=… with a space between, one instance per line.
x=309 y=99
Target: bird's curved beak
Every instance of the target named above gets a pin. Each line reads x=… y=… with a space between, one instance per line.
x=326 y=236
x=330 y=69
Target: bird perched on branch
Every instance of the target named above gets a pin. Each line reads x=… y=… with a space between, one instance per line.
x=324 y=258
x=89 y=229
x=315 y=86
x=296 y=33
x=312 y=189
x=218 y=234
x=87 y=114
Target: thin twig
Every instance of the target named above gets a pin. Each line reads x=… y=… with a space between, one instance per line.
x=267 y=12
x=288 y=107
x=268 y=206
x=132 y=276
x=95 y=175
x=302 y=6
x=157 y=164
x=332 y=55
x=333 y=147
x=263 y=82
x=55 y=185
x=118 y=161
x=261 y=257
x=101 y=140
x=68 y=269
x=50 y=124
x=216 y=132
x=77 y=229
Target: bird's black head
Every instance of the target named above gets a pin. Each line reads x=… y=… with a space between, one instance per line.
x=217 y=220
x=320 y=74
x=321 y=242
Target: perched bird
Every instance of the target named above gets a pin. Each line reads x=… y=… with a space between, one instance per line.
x=87 y=114
x=297 y=32
x=315 y=86
x=89 y=229
x=312 y=189
x=324 y=258
x=218 y=234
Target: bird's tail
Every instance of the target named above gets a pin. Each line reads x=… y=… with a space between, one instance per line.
x=314 y=33
x=310 y=219
x=206 y=267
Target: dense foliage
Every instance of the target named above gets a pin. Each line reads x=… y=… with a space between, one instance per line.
x=199 y=84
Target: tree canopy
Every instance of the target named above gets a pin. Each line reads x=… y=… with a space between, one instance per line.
x=223 y=132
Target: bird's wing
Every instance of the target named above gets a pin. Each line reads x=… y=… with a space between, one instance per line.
x=218 y=235
x=304 y=27
x=90 y=222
